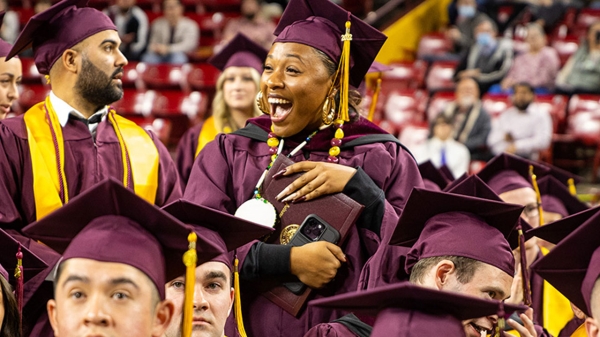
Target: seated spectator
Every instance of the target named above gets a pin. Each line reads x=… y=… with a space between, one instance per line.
x=252 y=24
x=132 y=24
x=489 y=59
x=172 y=36
x=471 y=123
x=10 y=25
x=521 y=130
x=538 y=66
x=581 y=73
x=461 y=33
x=41 y=6
x=441 y=149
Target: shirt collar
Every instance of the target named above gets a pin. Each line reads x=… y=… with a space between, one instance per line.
x=63 y=110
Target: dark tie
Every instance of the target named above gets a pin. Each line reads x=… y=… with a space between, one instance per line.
x=172 y=36
x=443 y=156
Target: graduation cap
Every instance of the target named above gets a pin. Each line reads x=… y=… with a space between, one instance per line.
x=240 y=52
x=566 y=178
x=507 y=172
x=406 y=309
x=4 y=46
x=3 y=273
x=557 y=198
x=320 y=24
x=57 y=29
x=109 y=223
x=440 y=224
x=433 y=179
x=556 y=231
x=573 y=266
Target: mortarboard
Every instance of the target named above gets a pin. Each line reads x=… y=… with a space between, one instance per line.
x=573 y=266
x=556 y=197
x=3 y=273
x=439 y=224
x=5 y=47
x=57 y=29
x=320 y=24
x=445 y=171
x=110 y=223
x=406 y=309
x=507 y=172
x=556 y=231
x=566 y=178
x=240 y=52
x=433 y=179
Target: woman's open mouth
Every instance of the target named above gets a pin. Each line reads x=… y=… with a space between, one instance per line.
x=280 y=108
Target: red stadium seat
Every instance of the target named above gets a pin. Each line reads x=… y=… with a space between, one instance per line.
x=32 y=94
x=193 y=105
x=222 y=5
x=203 y=77
x=565 y=48
x=405 y=106
x=587 y=17
x=414 y=134
x=496 y=104
x=584 y=103
x=441 y=76
x=434 y=44
x=135 y=103
x=131 y=76
x=163 y=76
x=160 y=126
x=438 y=103
x=556 y=106
x=30 y=72
x=404 y=75
x=24 y=15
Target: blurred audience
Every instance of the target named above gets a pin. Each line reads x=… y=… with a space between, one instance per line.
x=523 y=129
x=41 y=6
x=489 y=59
x=10 y=25
x=538 y=67
x=132 y=25
x=461 y=33
x=252 y=23
x=441 y=149
x=172 y=36
x=471 y=123
x=581 y=73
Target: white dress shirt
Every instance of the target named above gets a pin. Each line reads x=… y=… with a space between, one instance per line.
x=457 y=155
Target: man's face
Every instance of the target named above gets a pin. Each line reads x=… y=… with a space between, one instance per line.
x=173 y=10
x=95 y=298
x=467 y=93
x=522 y=97
x=525 y=197
x=213 y=298
x=125 y=4
x=99 y=78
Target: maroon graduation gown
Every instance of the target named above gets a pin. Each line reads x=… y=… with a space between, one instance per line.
x=86 y=163
x=186 y=152
x=227 y=170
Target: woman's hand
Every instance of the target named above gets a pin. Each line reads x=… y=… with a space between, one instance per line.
x=316 y=263
x=319 y=179
x=526 y=330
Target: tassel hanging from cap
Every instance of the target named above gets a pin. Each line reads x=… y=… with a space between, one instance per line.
x=572 y=188
x=237 y=301
x=537 y=195
x=524 y=273
x=19 y=284
x=501 y=321
x=190 y=258
x=47 y=77
x=344 y=67
x=374 y=100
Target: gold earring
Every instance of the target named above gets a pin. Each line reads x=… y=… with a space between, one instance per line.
x=260 y=103
x=329 y=110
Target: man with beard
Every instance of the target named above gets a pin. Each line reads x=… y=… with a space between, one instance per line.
x=522 y=130
x=471 y=122
x=72 y=140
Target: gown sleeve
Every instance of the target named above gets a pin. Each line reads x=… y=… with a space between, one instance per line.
x=10 y=178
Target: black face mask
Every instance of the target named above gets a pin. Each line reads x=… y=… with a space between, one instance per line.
x=522 y=106
x=250 y=16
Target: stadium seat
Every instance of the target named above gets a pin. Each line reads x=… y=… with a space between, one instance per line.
x=163 y=76
x=222 y=5
x=203 y=77
x=565 y=48
x=159 y=126
x=404 y=75
x=556 y=106
x=496 y=104
x=130 y=75
x=193 y=105
x=32 y=94
x=438 y=103
x=405 y=106
x=30 y=72
x=586 y=18
x=582 y=102
x=441 y=76
x=433 y=45
x=24 y=15
x=135 y=103
x=414 y=134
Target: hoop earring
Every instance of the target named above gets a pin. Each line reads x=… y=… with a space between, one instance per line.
x=260 y=104
x=329 y=110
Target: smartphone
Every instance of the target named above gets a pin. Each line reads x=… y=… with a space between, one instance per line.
x=312 y=229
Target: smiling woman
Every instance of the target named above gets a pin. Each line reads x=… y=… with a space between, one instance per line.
x=311 y=118
x=10 y=77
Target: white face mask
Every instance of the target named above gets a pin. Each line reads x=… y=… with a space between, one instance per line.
x=466 y=11
x=466 y=101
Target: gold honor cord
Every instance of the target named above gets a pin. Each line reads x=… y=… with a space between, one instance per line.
x=572 y=188
x=374 y=99
x=537 y=195
x=190 y=258
x=345 y=73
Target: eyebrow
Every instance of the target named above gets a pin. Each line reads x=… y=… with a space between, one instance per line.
x=122 y=281
x=111 y=41
x=76 y=278
x=296 y=56
x=8 y=74
x=211 y=275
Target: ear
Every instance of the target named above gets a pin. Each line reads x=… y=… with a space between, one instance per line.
x=591 y=326
x=163 y=317
x=231 y=298
x=442 y=273
x=71 y=60
x=51 y=307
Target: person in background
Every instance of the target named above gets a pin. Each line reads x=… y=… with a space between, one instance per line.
x=461 y=33
x=9 y=312
x=489 y=59
x=471 y=123
x=10 y=26
x=41 y=6
x=132 y=25
x=538 y=66
x=442 y=149
x=11 y=73
x=252 y=24
x=581 y=73
x=522 y=129
x=172 y=36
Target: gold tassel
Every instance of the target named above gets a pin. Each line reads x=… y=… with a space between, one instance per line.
x=537 y=194
x=345 y=74
x=572 y=188
x=238 y=299
x=501 y=322
x=190 y=258
x=47 y=77
x=374 y=100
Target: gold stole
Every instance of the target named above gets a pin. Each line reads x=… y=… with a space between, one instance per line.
x=580 y=332
x=207 y=134
x=557 y=308
x=46 y=145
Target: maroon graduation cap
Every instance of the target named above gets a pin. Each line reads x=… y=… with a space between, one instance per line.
x=507 y=172
x=433 y=179
x=240 y=52
x=557 y=198
x=5 y=47
x=405 y=309
x=556 y=231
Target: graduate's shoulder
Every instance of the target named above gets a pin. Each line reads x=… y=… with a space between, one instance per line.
x=13 y=127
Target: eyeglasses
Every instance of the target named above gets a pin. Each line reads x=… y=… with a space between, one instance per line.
x=532 y=210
